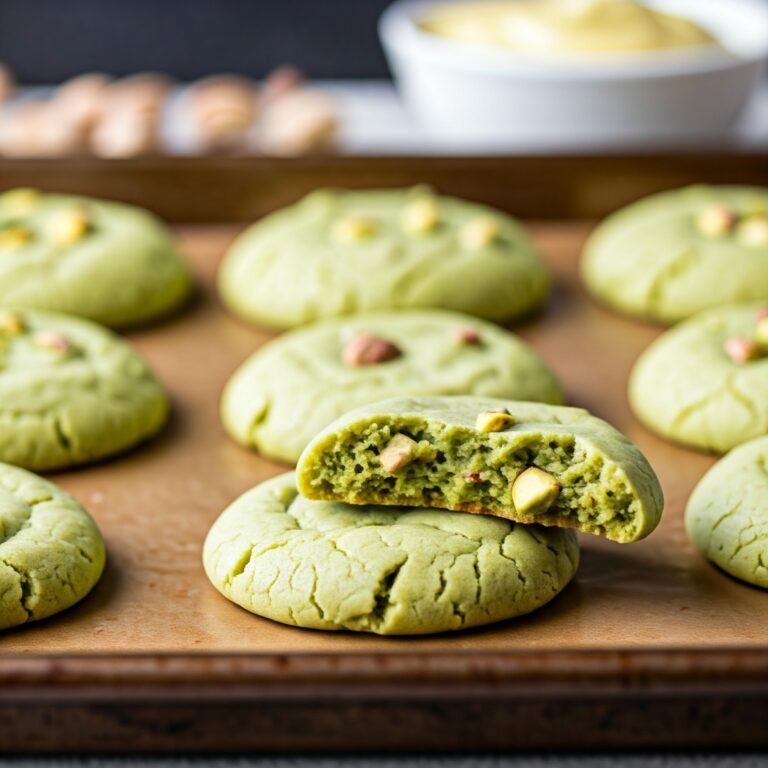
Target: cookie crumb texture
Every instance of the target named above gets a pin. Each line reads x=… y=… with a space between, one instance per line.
x=51 y=552
x=109 y=262
x=301 y=264
x=296 y=385
x=727 y=514
x=327 y=565
x=73 y=403
x=652 y=259
x=688 y=388
x=606 y=486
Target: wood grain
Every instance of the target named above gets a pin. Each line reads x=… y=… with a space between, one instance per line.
x=240 y=189
x=649 y=646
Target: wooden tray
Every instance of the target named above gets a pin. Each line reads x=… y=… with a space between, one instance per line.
x=649 y=647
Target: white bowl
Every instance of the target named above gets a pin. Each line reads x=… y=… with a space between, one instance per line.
x=479 y=94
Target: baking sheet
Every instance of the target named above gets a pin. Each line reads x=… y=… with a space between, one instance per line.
x=156 y=504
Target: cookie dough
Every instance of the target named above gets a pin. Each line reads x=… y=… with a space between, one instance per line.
x=51 y=552
x=704 y=383
x=391 y=571
x=299 y=383
x=674 y=254
x=71 y=392
x=342 y=252
x=104 y=261
x=727 y=514
x=528 y=462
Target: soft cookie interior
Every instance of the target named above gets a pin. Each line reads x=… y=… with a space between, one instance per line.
x=537 y=475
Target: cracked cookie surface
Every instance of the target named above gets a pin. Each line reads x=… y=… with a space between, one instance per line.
x=342 y=252
x=651 y=261
x=296 y=385
x=109 y=262
x=528 y=462
x=71 y=392
x=51 y=552
x=727 y=514
x=327 y=565
x=687 y=388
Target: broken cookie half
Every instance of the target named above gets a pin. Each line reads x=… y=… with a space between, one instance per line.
x=527 y=462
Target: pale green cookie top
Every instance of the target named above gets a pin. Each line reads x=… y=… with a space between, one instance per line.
x=652 y=260
x=296 y=385
x=687 y=388
x=392 y=571
x=727 y=514
x=51 y=552
x=108 y=262
x=439 y=452
x=342 y=252
x=71 y=392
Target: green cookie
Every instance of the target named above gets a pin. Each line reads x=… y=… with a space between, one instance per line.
x=727 y=514
x=688 y=388
x=299 y=383
x=51 y=552
x=105 y=261
x=527 y=462
x=671 y=255
x=71 y=392
x=344 y=252
x=392 y=571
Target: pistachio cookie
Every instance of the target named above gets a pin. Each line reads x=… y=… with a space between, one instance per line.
x=674 y=254
x=727 y=514
x=342 y=252
x=387 y=570
x=51 y=552
x=299 y=383
x=704 y=383
x=104 y=261
x=71 y=392
x=527 y=462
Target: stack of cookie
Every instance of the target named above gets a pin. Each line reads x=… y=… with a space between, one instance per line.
x=71 y=392
x=699 y=256
x=452 y=503
x=429 y=514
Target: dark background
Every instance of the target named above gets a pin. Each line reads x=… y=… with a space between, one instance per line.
x=46 y=41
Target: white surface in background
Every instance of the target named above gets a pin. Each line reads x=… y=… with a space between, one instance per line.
x=374 y=121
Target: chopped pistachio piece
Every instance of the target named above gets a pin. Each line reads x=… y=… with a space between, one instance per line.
x=534 y=490
x=19 y=202
x=716 y=220
x=14 y=237
x=466 y=335
x=471 y=477
x=421 y=216
x=479 y=232
x=68 y=226
x=352 y=229
x=368 y=350
x=10 y=324
x=742 y=350
x=494 y=421
x=398 y=452
x=753 y=232
x=52 y=340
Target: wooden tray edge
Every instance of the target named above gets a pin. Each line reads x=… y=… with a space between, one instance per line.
x=234 y=675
